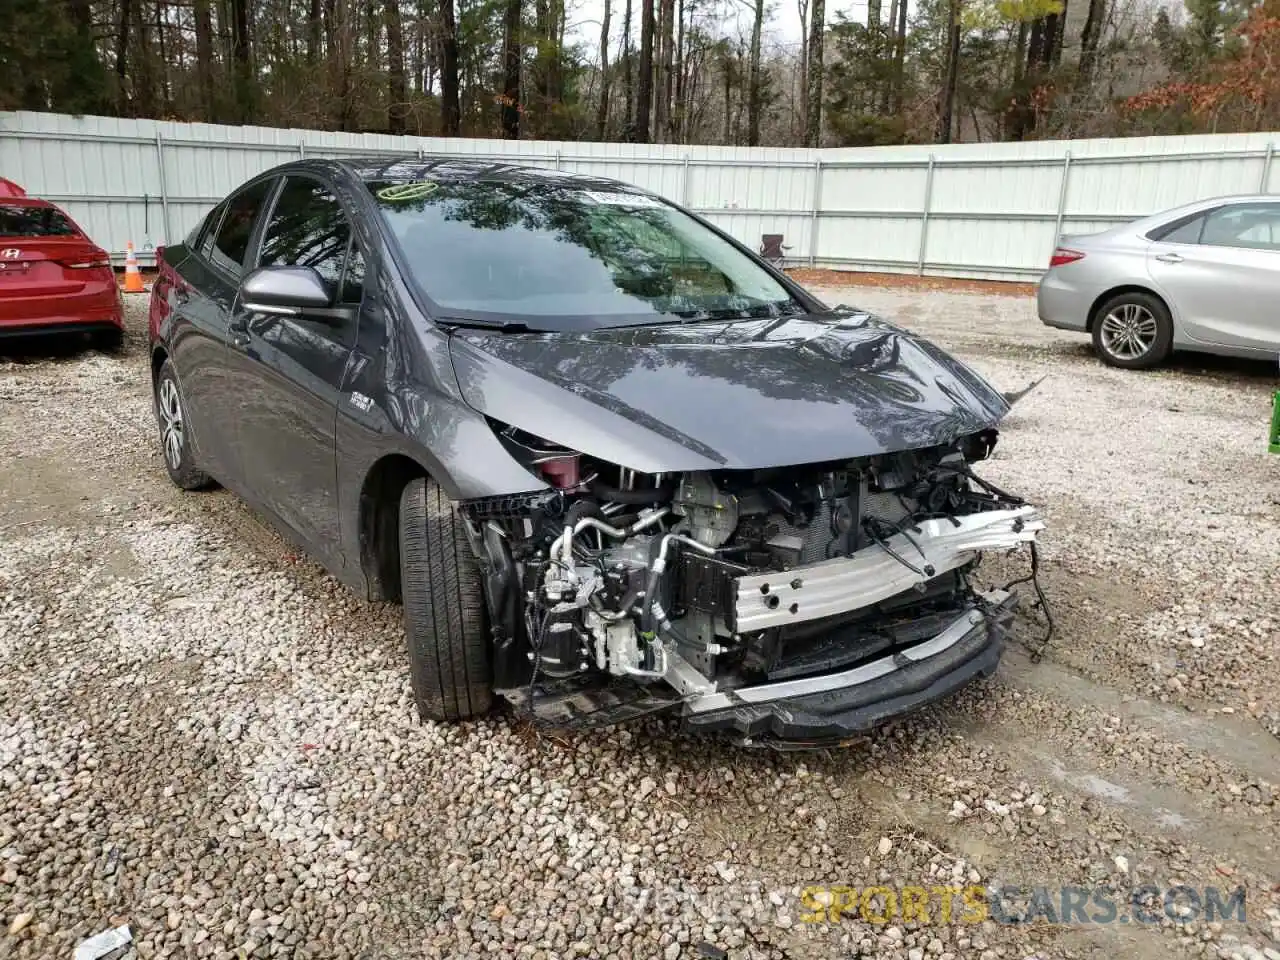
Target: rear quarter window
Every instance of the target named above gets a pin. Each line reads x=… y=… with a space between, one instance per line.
x=1183 y=230
x=203 y=227
x=209 y=229
x=231 y=244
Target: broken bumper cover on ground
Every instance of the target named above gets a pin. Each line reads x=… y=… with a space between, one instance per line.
x=841 y=704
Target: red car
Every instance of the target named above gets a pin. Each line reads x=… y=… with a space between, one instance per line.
x=53 y=278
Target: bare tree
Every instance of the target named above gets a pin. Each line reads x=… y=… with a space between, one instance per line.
x=242 y=64
x=891 y=26
x=397 y=85
x=666 y=64
x=802 y=70
x=628 y=75
x=122 y=56
x=372 y=36
x=678 y=110
x=899 y=55
x=659 y=61
x=144 y=82
x=204 y=57
x=1089 y=38
x=162 y=64
x=754 y=78
x=313 y=27
x=947 y=95
x=602 y=107
x=511 y=67
x=450 y=107
x=644 y=86
x=817 y=27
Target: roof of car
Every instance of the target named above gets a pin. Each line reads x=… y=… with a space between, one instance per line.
x=26 y=202
x=456 y=169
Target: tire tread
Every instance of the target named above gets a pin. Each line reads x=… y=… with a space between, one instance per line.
x=444 y=609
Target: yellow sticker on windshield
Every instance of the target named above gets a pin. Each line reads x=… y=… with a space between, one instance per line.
x=404 y=192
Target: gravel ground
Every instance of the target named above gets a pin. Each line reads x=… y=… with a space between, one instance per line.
x=204 y=737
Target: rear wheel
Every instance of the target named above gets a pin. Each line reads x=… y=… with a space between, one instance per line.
x=444 y=613
x=175 y=437
x=1133 y=330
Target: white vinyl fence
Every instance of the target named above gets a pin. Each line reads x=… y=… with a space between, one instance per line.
x=964 y=210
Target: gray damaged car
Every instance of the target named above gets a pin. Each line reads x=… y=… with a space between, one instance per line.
x=611 y=463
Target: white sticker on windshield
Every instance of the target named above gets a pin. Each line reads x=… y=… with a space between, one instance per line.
x=619 y=199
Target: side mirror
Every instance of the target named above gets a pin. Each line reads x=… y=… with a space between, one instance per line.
x=284 y=291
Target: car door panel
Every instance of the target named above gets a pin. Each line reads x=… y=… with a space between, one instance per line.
x=1223 y=288
x=197 y=350
x=289 y=377
x=201 y=305
x=290 y=371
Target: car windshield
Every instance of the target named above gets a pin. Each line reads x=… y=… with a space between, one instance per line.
x=552 y=255
x=20 y=220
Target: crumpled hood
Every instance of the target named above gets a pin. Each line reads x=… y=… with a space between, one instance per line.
x=746 y=394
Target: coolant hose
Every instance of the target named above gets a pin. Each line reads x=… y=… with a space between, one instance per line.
x=646 y=608
x=659 y=566
x=580 y=510
x=652 y=495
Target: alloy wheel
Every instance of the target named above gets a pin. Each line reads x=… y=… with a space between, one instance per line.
x=171 y=428
x=1129 y=331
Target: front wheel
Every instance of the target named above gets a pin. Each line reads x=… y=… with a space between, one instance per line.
x=1133 y=330
x=445 y=623
x=175 y=434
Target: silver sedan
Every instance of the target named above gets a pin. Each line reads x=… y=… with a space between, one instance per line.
x=1204 y=277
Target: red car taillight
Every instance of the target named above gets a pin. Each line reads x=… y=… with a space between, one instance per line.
x=86 y=259
x=1063 y=256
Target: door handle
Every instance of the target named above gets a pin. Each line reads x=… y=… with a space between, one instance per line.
x=1169 y=257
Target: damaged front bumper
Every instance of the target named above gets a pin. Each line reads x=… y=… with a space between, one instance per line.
x=878 y=572
x=841 y=704
x=803 y=605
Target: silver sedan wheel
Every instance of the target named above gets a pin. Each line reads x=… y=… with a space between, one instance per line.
x=1129 y=331
x=171 y=431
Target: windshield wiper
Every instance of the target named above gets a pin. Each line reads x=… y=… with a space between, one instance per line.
x=788 y=308
x=757 y=311
x=478 y=323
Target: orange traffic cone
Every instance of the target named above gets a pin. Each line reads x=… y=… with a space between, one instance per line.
x=132 y=278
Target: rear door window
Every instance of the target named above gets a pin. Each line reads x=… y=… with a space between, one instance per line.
x=1251 y=226
x=21 y=220
x=231 y=244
